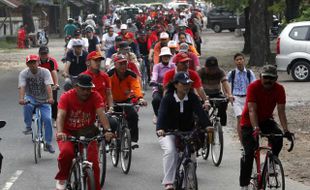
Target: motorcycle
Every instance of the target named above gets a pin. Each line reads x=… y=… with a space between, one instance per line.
x=2 y=124
x=42 y=37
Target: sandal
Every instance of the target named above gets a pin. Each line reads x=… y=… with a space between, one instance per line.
x=60 y=186
x=169 y=187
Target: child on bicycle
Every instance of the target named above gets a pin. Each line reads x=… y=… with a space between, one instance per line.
x=176 y=112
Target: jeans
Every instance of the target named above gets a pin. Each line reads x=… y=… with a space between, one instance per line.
x=46 y=114
x=250 y=145
x=55 y=104
x=170 y=158
x=157 y=96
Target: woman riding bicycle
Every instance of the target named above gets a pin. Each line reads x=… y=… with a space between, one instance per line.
x=176 y=112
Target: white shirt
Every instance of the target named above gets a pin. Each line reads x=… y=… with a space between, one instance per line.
x=177 y=99
x=108 y=40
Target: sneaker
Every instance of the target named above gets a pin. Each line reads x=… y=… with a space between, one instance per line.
x=134 y=146
x=169 y=187
x=28 y=131
x=60 y=184
x=49 y=148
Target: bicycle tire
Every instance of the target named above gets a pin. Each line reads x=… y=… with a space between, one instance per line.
x=179 y=178
x=144 y=76
x=114 y=151
x=125 y=151
x=102 y=162
x=205 y=150
x=190 y=177
x=89 y=179
x=36 y=141
x=218 y=133
x=40 y=140
x=272 y=179
x=254 y=180
x=73 y=181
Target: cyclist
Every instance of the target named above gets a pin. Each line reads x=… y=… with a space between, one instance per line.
x=176 y=112
x=142 y=42
x=262 y=97
x=213 y=81
x=154 y=54
x=159 y=70
x=194 y=63
x=34 y=84
x=77 y=110
x=191 y=47
x=70 y=28
x=182 y=64
x=239 y=78
x=93 y=42
x=108 y=40
x=126 y=87
x=76 y=63
x=51 y=64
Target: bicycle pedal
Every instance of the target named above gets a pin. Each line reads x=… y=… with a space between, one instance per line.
x=134 y=146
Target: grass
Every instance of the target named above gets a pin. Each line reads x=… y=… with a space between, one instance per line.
x=7 y=45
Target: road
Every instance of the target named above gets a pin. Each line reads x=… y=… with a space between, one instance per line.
x=19 y=171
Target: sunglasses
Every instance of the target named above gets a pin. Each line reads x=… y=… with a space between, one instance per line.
x=269 y=78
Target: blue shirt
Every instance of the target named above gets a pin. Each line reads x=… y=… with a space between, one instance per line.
x=241 y=81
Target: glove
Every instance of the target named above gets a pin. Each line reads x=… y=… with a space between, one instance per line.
x=288 y=135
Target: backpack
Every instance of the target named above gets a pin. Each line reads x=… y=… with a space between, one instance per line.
x=233 y=73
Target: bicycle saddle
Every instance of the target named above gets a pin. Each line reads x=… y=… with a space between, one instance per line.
x=2 y=124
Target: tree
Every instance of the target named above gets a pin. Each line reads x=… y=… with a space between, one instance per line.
x=27 y=14
x=292 y=9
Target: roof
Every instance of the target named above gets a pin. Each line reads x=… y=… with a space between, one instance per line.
x=11 y=3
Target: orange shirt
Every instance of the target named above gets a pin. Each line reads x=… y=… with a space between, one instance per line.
x=157 y=49
x=123 y=90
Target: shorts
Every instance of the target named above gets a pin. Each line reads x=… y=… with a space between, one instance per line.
x=238 y=105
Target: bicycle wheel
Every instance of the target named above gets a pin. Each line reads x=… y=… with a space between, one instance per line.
x=217 y=144
x=73 y=182
x=36 y=142
x=190 y=177
x=89 y=179
x=114 y=151
x=102 y=162
x=144 y=76
x=273 y=177
x=126 y=150
x=254 y=181
x=179 y=176
x=205 y=150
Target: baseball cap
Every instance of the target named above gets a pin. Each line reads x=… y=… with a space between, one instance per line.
x=211 y=62
x=165 y=51
x=94 y=55
x=172 y=44
x=119 y=58
x=77 y=32
x=184 y=47
x=182 y=77
x=77 y=43
x=129 y=35
x=124 y=27
x=164 y=35
x=85 y=81
x=269 y=70
x=181 y=57
x=43 y=49
x=32 y=58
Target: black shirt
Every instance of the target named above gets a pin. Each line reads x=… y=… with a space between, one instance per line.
x=78 y=63
x=92 y=44
x=170 y=117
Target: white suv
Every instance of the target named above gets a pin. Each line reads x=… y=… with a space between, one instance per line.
x=293 y=50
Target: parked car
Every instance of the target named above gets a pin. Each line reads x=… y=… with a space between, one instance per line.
x=293 y=50
x=220 y=19
x=128 y=12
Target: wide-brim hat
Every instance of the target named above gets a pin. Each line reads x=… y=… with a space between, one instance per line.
x=85 y=81
x=165 y=51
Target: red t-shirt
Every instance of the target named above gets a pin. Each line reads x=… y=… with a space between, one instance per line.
x=101 y=81
x=266 y=101
x=79 y=114
x=193 y=75
x=51 y=64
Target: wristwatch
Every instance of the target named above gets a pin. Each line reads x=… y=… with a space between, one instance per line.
x=108 y=130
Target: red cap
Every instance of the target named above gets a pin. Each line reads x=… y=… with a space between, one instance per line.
x=94 y=55
x=32 y=58
x=129 y=35
x=181 y=57
x=119 y=58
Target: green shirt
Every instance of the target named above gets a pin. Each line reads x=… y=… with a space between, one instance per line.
x=69 y=29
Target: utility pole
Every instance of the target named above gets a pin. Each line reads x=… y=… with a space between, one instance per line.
x=63 y=17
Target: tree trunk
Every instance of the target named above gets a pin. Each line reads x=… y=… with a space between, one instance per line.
x=247 y=33
x=292 y=9
x=260 y=44
x=27 y=17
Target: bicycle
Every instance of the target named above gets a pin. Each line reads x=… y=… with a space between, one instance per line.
x=214 y=139
x=186 y=177
x=2 y=124
x=271 y=174
x=81 y=175
x=102 y=157
x=121 y=145
x=144 y=77
x=38 y=132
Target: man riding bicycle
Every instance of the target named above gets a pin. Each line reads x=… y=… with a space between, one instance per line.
x=176 y=112
x=261 y=99
x=77 y=110
x=34 y=84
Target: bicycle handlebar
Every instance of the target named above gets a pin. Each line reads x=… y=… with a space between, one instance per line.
x=281 y=135
x=84 y=140
x=218 y=100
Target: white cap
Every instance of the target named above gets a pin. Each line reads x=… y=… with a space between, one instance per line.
x=90 y=16
x=77 y=42
x=184 y=47
x=164 y=35
x=172 y=44
x=124 y=27
x=165 y=51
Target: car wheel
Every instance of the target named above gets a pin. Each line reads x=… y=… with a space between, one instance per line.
x=217 y=28
x=301 y=71
x=231 y=30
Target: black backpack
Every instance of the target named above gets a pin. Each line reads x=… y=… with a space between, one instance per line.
x=233 y=73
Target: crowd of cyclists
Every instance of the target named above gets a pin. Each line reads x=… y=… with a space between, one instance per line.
x=103 y=68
